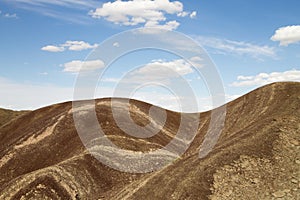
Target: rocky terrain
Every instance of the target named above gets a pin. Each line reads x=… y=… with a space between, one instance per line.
x=257 y=155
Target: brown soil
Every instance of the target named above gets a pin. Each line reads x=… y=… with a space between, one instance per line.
x=8 y=115
x=256 y=157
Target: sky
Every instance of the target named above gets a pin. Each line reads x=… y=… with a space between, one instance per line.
x=45 y=44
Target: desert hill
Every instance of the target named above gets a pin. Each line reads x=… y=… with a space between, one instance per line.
x=8 y=115
x=257 y=155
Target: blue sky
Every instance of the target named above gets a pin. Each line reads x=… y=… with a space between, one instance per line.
x=44 y=43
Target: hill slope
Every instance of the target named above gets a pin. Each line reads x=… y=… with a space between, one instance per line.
x=257 y=155
x=8 y=115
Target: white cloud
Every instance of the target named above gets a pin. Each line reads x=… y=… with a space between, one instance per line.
x=225 y=46
x=193 y=14
x=161 y=70
x=157 y=72
x=71 y=46
x=264 y=78
x=151 y=13
x=78 y=65
x=171 y=25
x=196 y=61
x=8 y=15
x=287 y=35
x=183 y=14
x=116 y=44
x=78 y=45
x=52 y=48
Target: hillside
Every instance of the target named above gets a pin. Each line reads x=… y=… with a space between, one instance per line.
x=8 y=115
x=256 y=157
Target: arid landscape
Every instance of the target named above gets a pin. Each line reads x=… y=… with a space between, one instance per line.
x=256 y=157
x=149 y=100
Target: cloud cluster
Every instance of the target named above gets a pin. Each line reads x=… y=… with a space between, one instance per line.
x=225 y=46
x=161 y=69
x=193 y=14
x=264 y=78
x=78 y=65
x=52 y=48
x=150 y=13
x=287 y=35
x=70 y=45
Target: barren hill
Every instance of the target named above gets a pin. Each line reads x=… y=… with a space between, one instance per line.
x=8 y=115
x=256 y=157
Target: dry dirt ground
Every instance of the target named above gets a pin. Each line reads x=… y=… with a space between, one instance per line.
x=8 y=115
x=257 y=155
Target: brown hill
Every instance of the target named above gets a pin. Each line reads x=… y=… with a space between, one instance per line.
x=8 y=115
x=256 y=157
